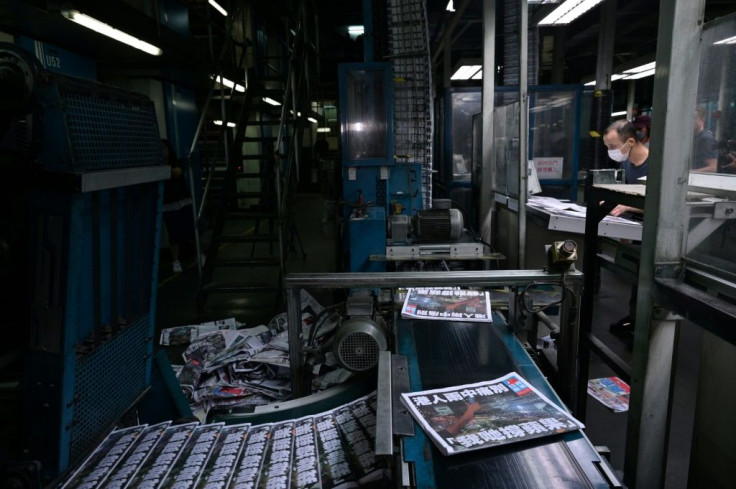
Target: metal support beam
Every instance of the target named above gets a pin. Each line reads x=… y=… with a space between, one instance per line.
x=487 y=173
x=606 y=36
x=447 y=34
x=675 y=88
x=558 y=56
x=523 y=126
x=368 y=36
x=384 y=409
x=446 y=68
x=296 y=355
x=630 y=98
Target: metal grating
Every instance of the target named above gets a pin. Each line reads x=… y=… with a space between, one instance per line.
x=109 y=130
x=106 y=382
x=413 y=118
x=359 y=351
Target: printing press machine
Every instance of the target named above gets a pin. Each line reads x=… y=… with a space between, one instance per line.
x=429 y=354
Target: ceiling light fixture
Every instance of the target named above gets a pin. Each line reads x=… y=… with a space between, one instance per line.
x=219 y=123
x=477 y=76
x=355 y=31
x=228 y=83
x=271 y=101
x=323 y=129
x=641 y=74
x=568 y=11
x=614 y=77
x=217 y=7
x=109 y=31
x=466 y=72
x=450 y=6
x=312 y=120
x=616 y=114
x=644 y=67
x=728 y=40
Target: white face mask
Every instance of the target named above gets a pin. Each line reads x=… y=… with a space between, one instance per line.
x=617 y=155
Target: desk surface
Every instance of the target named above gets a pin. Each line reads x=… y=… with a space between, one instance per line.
x=636 y=189
x=574 y=222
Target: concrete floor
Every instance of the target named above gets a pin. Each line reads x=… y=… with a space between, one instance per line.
x=176 y=306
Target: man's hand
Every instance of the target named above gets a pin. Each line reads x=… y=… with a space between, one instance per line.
x=622 y=209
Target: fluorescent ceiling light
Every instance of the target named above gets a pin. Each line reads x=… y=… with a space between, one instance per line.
x=614 y=77
x=219 y=123
x=641 y=74
x=228 y=83
x=271 y=101
x=568 y=11
x=616 y=114
x=356 y=30
x=298 y=114
x=450 y=6
x=728 y=40
x=323 y=129
x=477 y=76
x=639 y=69
x=312 y=120
x=109 y=31
x=218 y=7
x=466 y=72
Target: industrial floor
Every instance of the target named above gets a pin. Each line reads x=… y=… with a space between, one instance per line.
x=318 y=236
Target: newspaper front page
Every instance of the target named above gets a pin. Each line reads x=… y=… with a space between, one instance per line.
x=486 y=414
x=447 y=304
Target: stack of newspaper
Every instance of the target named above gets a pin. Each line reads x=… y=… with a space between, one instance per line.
x=227 y=366
x=328 y=450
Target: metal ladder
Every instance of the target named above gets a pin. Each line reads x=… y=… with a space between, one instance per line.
x=251 y=224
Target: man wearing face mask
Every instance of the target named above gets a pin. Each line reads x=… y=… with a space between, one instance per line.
x=624 y=148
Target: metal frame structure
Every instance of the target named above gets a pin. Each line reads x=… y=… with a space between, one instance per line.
x=567 y=344
x=665 y=293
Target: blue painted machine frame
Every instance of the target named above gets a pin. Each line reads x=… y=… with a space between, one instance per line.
x=94 y=228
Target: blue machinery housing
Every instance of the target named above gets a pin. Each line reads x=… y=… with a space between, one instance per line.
x=94 y=233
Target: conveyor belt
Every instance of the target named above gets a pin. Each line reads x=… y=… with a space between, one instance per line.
x=442 y=354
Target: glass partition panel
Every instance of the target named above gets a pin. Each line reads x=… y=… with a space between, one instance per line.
x=463 y=106
x=366 y=125
x=506 y=145
x=711 y=238
x=552 y=133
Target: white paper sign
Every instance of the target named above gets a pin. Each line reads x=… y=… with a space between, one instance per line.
x=549 y=168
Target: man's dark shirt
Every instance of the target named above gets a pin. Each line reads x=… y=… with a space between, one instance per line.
x=705 y=148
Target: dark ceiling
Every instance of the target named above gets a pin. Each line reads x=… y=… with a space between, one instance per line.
x=636 y=31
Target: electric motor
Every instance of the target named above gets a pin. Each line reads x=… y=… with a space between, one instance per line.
x=438 y=225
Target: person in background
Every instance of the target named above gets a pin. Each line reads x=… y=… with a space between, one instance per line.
x=727 y=156
x=624 y=148
x=177 y=207
x=642 y=124
x=705 y=147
